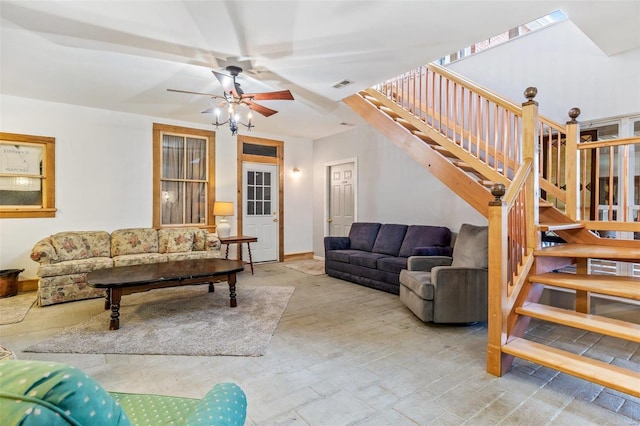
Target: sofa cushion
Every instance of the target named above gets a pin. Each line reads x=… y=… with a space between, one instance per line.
x=363 y=235
x=200 y=239
x=424 y=236
x=139 y=259
x=98 y=243
x=134 y=241
x=80 y=266
x=471 y=249
x=392 y=264
x=389 y=239
x=418 y=282
x=176 y=240
x=368 y=260
x=69 y=246
x=432 y=251
x=342 y=256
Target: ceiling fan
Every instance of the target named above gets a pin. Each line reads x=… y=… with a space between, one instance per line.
x=234 y=98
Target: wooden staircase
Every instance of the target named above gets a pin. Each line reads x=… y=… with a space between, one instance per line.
x=471 y=167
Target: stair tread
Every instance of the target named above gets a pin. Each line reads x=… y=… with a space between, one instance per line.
x=598 y=324
x=608 y=375
x=613 y=285
x=559 y=226
x=591 y=251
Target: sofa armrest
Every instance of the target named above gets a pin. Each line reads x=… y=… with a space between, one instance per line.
x=426 y=263
x=44 y=252
x=225 y=404
x=212 y=243
x=336 y=243
x=460 y=294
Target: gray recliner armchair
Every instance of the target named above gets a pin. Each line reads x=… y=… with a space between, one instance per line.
x=444 y=289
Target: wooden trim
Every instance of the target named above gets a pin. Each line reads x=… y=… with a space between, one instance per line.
x=27 y=285
x=48 y=208
x=279 y=161
x=298 y=256
x=210 y=136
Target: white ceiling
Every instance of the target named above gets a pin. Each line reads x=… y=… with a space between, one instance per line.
x=123 y=55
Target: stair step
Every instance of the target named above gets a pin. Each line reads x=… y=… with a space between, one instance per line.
x=424 y=137
x=391 y=113
x=486 y=183
x=559 y=226
x=597 y=324
x=612 y=285
x=545 y=204
x=405 y=123
x=444 y=151
x=588 y=251
x=608 y=375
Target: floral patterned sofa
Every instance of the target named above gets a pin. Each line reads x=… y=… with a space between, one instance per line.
x=66 y=257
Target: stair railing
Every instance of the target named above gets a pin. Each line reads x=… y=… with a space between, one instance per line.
x=481 y=123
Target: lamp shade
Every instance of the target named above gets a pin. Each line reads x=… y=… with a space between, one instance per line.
x=223 y=208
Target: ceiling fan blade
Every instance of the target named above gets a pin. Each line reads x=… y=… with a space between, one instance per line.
x=284 y=95
x=196 y=93
x=260 y=109
x=227 y=82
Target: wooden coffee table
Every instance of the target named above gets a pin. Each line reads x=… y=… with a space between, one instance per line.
x=123 y=280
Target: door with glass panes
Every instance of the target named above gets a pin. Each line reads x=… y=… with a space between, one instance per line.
x=260 y=212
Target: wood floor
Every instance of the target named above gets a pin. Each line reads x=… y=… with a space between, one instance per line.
x=344 y=354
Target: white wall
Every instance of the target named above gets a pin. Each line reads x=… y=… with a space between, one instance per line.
x=104 y=175
x=568 y=69
x=392 y=188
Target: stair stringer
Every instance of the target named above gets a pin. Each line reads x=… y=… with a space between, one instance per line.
x=454 y=178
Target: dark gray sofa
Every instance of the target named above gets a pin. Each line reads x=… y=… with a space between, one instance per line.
x=374 y=254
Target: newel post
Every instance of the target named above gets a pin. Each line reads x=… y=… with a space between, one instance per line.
x=531 y=150
x=572 y=166
x=497 y=277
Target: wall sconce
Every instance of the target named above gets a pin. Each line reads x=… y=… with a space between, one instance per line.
x=296 y=172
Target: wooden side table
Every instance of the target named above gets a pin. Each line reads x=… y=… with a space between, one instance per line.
x=239 y=239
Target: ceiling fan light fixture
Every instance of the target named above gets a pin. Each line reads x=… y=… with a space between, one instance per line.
x=235 y=99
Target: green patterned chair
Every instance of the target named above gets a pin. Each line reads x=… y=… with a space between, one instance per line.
x=50 y=393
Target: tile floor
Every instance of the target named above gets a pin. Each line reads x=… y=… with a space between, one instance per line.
x=344 y=354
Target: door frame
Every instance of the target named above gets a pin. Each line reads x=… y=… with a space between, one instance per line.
x=327 y=189
x=278 y=160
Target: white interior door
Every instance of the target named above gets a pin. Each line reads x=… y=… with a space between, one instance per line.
x=260 y=210
x=341 y=199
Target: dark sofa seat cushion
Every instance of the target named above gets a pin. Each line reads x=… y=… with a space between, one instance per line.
x=363 y=235
x=389 y=240
x=343 y=256
x=392 y=264
x=424 y=236
x=368 y=260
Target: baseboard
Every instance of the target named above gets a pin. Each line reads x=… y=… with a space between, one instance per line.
x=27 y=285
x=298 y=256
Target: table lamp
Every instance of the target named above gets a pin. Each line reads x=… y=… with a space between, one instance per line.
x=223 y=208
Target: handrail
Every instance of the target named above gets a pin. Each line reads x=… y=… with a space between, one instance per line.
x=518 y=182
x=608 y=143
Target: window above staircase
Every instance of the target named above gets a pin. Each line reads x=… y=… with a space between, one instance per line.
x=519 y=31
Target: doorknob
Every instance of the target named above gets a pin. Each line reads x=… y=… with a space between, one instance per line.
x=329 y=220
x=275 y=219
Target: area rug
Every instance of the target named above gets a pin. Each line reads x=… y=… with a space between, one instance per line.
x=14 y=309
x=180 y=321
x=309 y=266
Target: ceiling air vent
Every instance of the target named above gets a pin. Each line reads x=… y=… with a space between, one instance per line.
x=341 y=84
